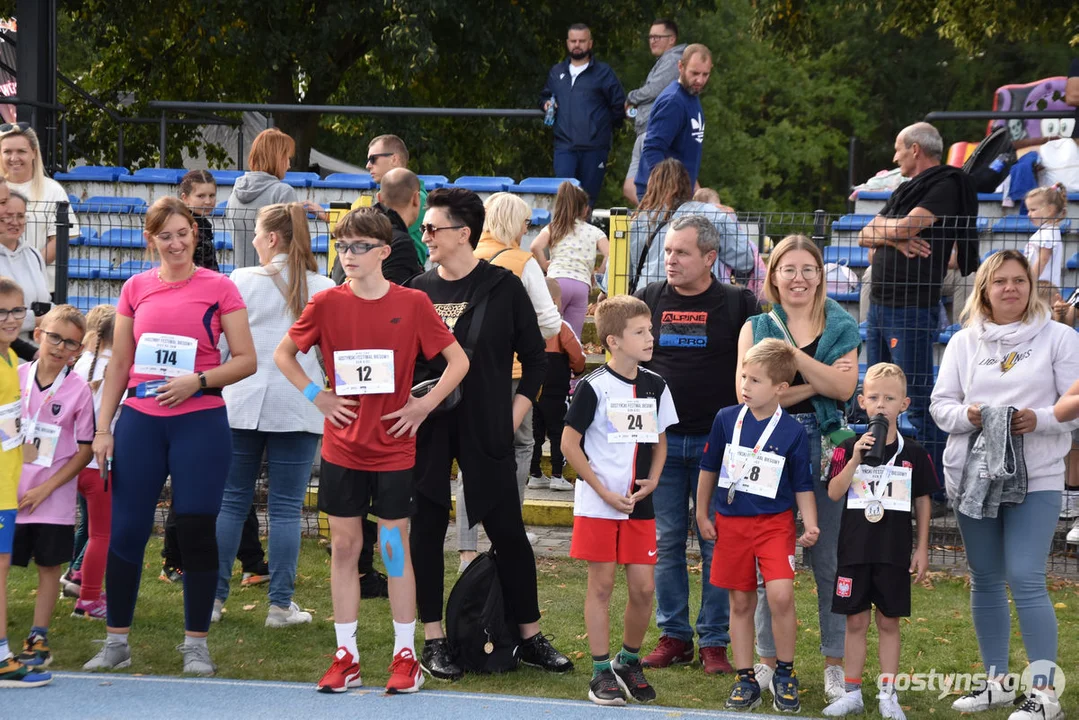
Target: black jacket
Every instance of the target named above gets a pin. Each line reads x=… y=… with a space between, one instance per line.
x=402 y=263
x=479 y=430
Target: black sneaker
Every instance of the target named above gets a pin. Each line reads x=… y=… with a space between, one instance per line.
x=605 y=689
x=538 y=652
x=631 y=678
x=374 y=585
x=785 y=693
x=437 y=660
x=745 y=695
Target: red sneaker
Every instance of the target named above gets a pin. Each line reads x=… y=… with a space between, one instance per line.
x=714 y=660
x=342 y=675
x=405 y=675
x=669 y=651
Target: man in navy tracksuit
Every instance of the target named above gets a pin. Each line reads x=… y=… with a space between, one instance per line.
x=676 y=123
x=589 y=104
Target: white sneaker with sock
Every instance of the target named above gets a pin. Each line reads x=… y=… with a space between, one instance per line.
x=764 y=674
x=561 y=484
x=990 y=695
x=283 y=617
x=1038 y=706
x=850 y=703
x=834 y=682
x=888 y=704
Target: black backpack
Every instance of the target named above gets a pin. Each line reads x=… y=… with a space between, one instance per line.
x=478 y=624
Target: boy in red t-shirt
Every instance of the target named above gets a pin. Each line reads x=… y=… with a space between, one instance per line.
x=370 y=332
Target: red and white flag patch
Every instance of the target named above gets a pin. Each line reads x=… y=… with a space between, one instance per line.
x=842 y=586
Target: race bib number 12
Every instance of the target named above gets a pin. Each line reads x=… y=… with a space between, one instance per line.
x=363 y=372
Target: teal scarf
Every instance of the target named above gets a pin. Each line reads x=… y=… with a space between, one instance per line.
x=839 y=338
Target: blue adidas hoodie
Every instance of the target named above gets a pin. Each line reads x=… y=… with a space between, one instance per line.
x=675 y=129
x=589 y=109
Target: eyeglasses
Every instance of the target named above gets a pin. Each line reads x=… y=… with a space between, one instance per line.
x=658 y=37
x=373 y=157
x=429 y=229
x=167 y=237
x=8 y=127
x=55 y=339
x=360 y=248
x=789 y=272
x=16 y=312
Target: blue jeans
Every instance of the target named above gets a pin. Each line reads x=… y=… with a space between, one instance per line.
x=1012 y=549
x=588 y=166
x=822 y=557
x=289 y=455
x=677 y=487
x=905 y=336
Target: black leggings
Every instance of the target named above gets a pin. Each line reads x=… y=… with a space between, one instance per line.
x=548 y=421
x=505 y=529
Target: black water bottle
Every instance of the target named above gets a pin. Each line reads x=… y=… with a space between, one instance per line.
x=874 y=456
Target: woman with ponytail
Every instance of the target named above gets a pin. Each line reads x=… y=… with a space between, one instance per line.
x=266 y=413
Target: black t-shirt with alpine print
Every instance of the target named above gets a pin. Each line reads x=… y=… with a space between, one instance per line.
x=890 y=541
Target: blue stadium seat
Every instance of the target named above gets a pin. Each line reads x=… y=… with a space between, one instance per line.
x=72 y=198
x=862 y=367
x=106 y=204
x=541 y=217
x=157 y=176
x=320 y=244
x=434 y=182
x=227 y=177
x=223 y=241
x=990 y=197
x=987 y=253
x=875 y=195
x=851 y=223
x=86 y=269
x=84 y=303
x=127 y=269
x=346 y=181
x=851 y=297
x=119 y=238
x=863 y=331
x=98 y=173
x=219 y=209
x=301 y=179
x=482 y=183
x=947 y=333
x=1073 y=263
x=226 y=269
x=84 y=236
x=983 y=224
x=849 y=255
x=1022 y=224
x=541 y=185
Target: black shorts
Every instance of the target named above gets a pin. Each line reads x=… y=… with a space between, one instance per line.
x=858 y=587
x=344 y=492
x=47 y=545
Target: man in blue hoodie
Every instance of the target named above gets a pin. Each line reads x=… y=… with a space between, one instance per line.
x=589 y=104
x=676 y=123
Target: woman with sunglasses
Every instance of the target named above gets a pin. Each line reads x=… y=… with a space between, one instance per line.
x=21 y=262
x=166 y=369
x=20 y=161
x=477 y=432
x=827 y=340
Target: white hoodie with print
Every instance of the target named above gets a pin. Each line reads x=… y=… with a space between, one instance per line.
x=1024 y=365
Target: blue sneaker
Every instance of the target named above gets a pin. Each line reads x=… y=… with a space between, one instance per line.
x=13 y=674
x=745 y=695
x=785 y=693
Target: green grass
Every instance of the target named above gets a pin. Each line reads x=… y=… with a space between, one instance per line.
x=939 y=635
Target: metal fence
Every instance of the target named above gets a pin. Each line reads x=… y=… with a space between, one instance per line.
x=102 y=246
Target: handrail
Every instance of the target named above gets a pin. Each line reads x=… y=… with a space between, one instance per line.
x=998 y=114
x=180 y=106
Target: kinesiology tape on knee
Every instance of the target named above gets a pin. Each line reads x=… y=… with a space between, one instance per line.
x=197 y=535
x=393 y=551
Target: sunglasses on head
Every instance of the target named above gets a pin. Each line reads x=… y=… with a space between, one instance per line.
x=8 y=127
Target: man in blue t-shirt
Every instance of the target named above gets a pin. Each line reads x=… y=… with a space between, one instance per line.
x=676 y=123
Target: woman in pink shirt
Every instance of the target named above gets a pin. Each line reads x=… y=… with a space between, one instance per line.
x=167 y=370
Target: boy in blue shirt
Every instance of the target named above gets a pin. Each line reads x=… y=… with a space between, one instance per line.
x=758 y=456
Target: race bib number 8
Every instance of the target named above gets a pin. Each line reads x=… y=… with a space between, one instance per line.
x=632 y=421
x=363 y=372
x=758 y=475
x=165 y=355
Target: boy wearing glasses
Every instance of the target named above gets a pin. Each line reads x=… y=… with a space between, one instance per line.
x=57 y=421
x=13 y=674
x=369 y=446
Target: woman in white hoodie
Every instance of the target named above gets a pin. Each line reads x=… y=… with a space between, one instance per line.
x=1010 y=353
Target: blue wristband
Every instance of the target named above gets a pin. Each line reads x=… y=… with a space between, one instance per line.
x=311 y=391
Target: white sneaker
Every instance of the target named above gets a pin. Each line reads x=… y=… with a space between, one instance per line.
x=111 y=656
x=990 y=695
x=834 y=683
x=850 y=703
x=562 y=484
x=283 y=617
x=541 y=482
x=1069 y=505
x=197 y=660
x=1073 y=534
x=764 y=674
x=1038 y=706
x=888 y=704
x=219 y=607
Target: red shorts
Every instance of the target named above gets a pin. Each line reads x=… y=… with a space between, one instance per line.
x=766 y=541
x=626 y=542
